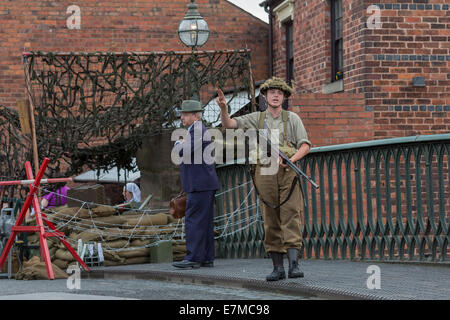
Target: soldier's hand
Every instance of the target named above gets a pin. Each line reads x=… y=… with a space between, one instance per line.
x=280 y=162
x=221 y=101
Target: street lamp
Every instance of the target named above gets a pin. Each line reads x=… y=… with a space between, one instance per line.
x=193 y=30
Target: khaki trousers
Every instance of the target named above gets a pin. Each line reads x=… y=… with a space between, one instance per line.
x=282 y=226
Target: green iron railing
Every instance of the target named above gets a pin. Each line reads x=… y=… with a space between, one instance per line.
x=239 y=228
x=378 y=200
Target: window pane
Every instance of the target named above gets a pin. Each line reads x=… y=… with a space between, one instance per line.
x=289 y=51
x=289 y=41
x=338 y=8
x=291 y=71
x=339 y=52
x=338 y=28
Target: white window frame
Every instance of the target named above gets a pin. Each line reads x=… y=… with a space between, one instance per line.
x=284 y=11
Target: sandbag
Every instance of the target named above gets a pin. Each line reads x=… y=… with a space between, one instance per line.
x=103 y=222
x=171 y=219
x=112 y=256
x=52 y=252
x=137 y=260
x=178 y=248
x=119 y=220
x=141 y=242
x=116 y=244
x=69 y=213
x=15 y=264
x=52 y=241
x=110 y=263
x=38 y=271
x=178 y=256
x=112 y=234
x=64 y=255
x=32 y=261
x=140 y=252
x=33 y=238
x=152 y=231
x=104 y=211
x=148 y=220
x=63 y=264
x=90 y=235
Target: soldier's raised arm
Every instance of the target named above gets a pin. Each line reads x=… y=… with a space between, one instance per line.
x=227 y=122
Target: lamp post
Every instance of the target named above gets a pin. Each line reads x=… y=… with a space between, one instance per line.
x=193 y=30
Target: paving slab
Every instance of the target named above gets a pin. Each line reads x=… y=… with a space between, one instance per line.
x=59 y=296
x=324 y=279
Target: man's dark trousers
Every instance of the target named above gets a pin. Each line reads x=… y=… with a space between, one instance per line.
x=200 y=182
x=199 y=224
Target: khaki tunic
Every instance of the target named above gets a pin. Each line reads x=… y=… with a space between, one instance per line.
x=296 y=133
x=282 y=226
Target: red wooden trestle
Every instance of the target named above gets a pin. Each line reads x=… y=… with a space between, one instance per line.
x=40 y=216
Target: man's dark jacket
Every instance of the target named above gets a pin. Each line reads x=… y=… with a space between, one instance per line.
x=201 y=176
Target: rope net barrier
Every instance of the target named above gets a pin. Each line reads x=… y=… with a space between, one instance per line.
x=136 y=231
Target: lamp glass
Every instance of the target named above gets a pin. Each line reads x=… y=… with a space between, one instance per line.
x=193 y=30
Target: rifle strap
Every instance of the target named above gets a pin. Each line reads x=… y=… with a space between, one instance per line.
x=294 y=182
x=284 y=118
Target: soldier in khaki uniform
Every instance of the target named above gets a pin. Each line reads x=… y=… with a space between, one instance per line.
x=282 y=226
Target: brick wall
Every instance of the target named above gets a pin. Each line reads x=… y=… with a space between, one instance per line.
x=312 y=45
x=379 y=63
x=378 y=101
x=413 y=41
x=328 y=118
x=334 y=119
x=117 y=26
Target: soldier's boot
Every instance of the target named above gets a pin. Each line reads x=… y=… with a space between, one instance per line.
x=278 y=269
x=294 y=271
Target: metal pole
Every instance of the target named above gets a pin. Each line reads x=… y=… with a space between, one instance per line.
x=30 y=181
x=10 y=265
x=252 y=86
x=134 y=53
x=31 y=112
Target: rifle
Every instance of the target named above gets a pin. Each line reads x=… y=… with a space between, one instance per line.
x=286 y=160
x=299 y=175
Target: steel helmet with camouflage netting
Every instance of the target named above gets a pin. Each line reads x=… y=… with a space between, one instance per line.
x=277 y=83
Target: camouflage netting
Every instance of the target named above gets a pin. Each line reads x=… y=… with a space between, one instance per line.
x=95 y=109
x=15 y=148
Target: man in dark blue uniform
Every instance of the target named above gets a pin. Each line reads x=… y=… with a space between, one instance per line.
x=200 y=182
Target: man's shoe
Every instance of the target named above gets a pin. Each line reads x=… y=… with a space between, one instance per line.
x=278 y=269
x=207 y=264
x=294 y=271
x=186 y=264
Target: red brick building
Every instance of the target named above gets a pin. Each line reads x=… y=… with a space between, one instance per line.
x=116 y=26
x=362 y=69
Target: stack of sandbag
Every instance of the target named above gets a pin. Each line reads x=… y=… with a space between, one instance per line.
x=179 y=250
x=125 y=238
x=34 y=269
x=15 y=264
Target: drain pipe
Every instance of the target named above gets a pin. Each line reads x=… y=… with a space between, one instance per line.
x=268 y=9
